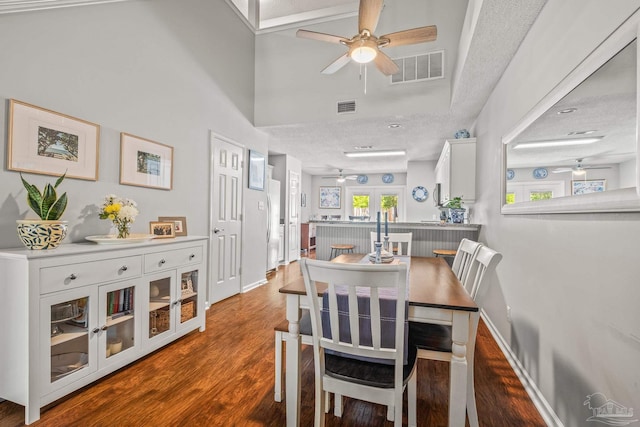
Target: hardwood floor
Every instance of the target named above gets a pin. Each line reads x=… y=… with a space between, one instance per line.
x=224 y=377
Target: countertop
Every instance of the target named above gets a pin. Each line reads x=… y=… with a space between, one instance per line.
x=398 y=225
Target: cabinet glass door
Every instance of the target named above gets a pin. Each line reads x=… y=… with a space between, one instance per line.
x=65 y=330
x=188 y=295
x=118 y=330
x=160 y=305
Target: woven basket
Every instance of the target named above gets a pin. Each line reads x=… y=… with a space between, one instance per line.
x=187 y=311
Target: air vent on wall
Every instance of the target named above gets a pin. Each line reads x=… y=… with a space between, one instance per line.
x=429 y=66
x=346 y=107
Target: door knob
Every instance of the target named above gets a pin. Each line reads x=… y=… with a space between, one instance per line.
x=217 y=230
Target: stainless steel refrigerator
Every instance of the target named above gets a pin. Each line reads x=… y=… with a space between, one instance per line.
x=273 y=226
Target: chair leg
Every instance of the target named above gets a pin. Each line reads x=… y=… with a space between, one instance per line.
x=412 y=402
x=278 y=365
x=327 y=404
x=390 y=413
x=318 y=419
x=472 y=411
x=337 y=405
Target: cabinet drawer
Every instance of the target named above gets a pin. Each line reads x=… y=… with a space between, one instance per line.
x=86 y=273
x=171 y=259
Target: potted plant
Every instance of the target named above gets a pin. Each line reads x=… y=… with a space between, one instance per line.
x=47 y=232
x=456 y=211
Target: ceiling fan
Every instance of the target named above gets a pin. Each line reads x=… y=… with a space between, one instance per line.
x=341 y=177
x=365 y=47
x=579 y=168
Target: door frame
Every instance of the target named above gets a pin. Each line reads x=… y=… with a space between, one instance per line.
x=212 y=137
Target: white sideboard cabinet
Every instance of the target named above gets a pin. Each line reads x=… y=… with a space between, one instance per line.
x=73 y=314
x=456 y=170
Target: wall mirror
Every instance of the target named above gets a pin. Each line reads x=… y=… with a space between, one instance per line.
x=577 y=150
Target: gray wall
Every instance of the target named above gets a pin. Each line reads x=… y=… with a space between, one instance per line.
x=571 y=280
x=162 y=70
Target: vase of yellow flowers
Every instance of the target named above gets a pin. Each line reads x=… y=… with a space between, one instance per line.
x=122 y=212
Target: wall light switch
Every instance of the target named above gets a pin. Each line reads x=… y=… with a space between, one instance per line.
x=260 y=206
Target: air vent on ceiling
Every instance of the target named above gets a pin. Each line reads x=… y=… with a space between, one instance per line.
x=345 y=107
x=417 y=68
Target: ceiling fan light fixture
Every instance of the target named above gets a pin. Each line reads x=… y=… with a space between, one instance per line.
x=364 y=51
x=379 y=153
x=341 y=179
x=557 y=143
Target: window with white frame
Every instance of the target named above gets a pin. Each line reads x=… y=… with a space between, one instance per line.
x=364 y=203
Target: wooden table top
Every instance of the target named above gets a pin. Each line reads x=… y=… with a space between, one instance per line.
x=431 y=284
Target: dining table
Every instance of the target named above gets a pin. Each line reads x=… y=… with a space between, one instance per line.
x=435 y=296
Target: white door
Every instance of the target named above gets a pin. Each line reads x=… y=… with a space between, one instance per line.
x=226 y=219
x=294 y=220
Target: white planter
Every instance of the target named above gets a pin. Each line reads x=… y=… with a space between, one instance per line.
x=38 y=234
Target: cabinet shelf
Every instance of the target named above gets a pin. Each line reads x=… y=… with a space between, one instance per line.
x=120 y=318
x=70 y=333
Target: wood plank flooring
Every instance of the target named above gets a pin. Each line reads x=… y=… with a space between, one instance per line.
x=224 y=377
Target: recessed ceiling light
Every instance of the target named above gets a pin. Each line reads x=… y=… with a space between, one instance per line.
x=557 y=142
x=567 y=110
x=394 y=126
x=582 y=132
x=376 y=153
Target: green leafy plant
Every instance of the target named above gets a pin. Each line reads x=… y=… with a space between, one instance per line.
x=454 y=203
x=47 y=205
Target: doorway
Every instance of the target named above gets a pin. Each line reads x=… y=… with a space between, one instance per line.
x=225 y=246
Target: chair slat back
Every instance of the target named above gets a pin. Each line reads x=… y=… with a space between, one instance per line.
x=484 y=263
x=362 y=285
x=401 y=241
x=464 y=258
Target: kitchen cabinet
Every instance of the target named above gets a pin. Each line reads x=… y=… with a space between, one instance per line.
x=456 y=170
x=78 y=312
x=308 y=236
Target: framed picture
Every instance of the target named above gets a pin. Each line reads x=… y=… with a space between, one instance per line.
x=256 y=170
x=145 y=163
x=179 y=224
x=587 y=186
x=330 y=197
x=162 y=230
x=49 y=143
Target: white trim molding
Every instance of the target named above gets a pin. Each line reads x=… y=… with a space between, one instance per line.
x=15 y=6
x=541 y=404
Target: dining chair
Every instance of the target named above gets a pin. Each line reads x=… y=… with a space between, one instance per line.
x=281 y=330
x=399 y=242
x=358 y=331
x=434 y=340
x=463 y=260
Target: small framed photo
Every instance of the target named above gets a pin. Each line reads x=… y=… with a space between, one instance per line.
x=587 y=186
x=145 y=163
x=179 y=224
x=257 y=170
x=45 y=142
x=330 y=197
x=162 y=230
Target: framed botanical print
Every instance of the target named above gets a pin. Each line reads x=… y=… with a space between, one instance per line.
x=49 y=143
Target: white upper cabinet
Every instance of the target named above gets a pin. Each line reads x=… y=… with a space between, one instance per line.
x=456 y=170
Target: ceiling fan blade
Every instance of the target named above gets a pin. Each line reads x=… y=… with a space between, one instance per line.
x=337 y=64
x=562 y=170
x=596 y=167
x=413 y=36
x=369 y=14
x=385 y=64
x=306 y=34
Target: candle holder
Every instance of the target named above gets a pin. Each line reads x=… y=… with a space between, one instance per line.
x=378 y=246
x=386 y=244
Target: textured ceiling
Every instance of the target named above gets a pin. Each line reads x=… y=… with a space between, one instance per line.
x=499 y=29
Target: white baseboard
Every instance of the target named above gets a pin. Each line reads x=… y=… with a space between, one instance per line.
x=254 y=285
x=546 y=411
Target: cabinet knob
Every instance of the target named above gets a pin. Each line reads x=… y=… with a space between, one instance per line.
x=162 y=261
x=192 y=256
x=104 y=327
x=73 y=277
x=95 y=330
x=124 y=268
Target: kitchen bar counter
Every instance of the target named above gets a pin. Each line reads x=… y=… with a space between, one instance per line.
x=427 y=236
